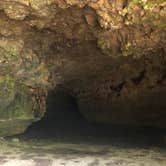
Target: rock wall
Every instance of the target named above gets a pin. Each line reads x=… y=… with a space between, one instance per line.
x=108 y=54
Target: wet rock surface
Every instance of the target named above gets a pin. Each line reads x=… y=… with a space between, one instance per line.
x=108 y=55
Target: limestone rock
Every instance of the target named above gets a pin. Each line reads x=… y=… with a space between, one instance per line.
x=109 y=55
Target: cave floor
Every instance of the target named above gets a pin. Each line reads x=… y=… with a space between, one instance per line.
x=34 y=149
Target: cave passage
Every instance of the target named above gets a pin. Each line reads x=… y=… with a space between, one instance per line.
x=64 y=123
x=62 y=118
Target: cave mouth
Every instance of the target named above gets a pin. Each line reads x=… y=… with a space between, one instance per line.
x=64 y=123
x=61 y=120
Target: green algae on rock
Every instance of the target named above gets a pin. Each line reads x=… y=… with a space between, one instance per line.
x=22 y=78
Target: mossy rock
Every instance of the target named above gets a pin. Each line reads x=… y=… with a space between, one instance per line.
x=16 y=107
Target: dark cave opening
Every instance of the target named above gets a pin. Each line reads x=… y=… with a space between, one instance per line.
x=62 y=118
x=64 y=123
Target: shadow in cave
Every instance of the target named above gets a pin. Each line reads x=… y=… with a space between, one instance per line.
x=64 y=123
x=61 y=120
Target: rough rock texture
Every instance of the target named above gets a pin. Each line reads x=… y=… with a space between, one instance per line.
x=108 y=54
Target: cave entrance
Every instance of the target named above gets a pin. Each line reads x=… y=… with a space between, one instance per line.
x=62 y=120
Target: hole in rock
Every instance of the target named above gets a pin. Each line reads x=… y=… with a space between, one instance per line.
x=64 y=123
x=62 y=118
